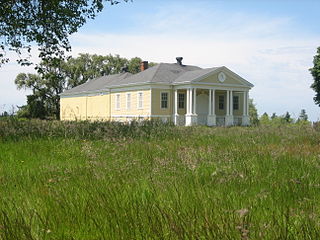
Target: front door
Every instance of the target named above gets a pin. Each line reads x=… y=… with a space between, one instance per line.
x=202 y=108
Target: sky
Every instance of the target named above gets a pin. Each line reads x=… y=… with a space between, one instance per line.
x=269 y=43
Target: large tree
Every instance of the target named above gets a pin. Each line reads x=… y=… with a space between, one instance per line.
x=315 y=71
x=46 y=23
x=56 y=75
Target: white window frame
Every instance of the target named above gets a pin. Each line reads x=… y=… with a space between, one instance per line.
x=233 y=102
x=128 y=101
x=184 y=100
x=168 y=97
x=139 y=100
x=224 y=102
x=117 y=101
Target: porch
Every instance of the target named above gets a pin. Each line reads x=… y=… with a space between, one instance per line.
x=211 y=106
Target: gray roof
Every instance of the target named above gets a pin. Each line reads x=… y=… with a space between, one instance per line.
x=97 y=84
x=162 y=73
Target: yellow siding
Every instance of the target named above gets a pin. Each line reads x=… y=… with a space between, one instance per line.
x=85 y=108
x=98 y=107
x=214 y=79
x=134 y=111
x=156 y=107
x=73 y=108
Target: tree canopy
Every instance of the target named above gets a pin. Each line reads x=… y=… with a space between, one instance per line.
x=315 y=72
x=46 y=23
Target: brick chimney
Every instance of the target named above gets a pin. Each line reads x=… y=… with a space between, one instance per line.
x=144 y=65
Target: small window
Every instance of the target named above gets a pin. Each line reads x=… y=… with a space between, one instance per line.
x=181 y=97
x=235 y=102
x=221 y=102
x=128 y=100
x=118 y=101
x=164 y=100
x=140 y=100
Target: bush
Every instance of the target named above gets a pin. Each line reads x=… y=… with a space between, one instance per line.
x=15 y=129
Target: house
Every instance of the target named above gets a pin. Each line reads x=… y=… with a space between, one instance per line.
x=186 y=95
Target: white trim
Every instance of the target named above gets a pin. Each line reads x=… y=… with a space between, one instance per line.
x=142 y=87
x=138 y=100
x=128 y=101
x=137 y=116
x=207 y=86
x=168 y=98
x=83 y=94
x=117 y=101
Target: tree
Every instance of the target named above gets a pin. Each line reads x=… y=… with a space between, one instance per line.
x=46 y=23
x=315 y=72
x=56 y=75
x=264 y=119
x=303 y=115
x=253 y=113
x=287 y=117
x=274 y=116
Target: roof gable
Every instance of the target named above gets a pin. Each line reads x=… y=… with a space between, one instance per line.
x=231 y=78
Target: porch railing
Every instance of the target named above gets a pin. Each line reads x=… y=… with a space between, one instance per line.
x=220 y=121
x=202 y=119
x=181 y=120
x=237 y=121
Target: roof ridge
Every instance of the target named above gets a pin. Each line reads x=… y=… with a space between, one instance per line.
x=158 y=66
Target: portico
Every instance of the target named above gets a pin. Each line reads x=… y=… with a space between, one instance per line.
x=211 y=106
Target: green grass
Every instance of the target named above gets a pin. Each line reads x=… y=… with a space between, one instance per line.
x=112 y=181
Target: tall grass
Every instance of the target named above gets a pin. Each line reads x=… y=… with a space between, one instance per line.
x=162 y=183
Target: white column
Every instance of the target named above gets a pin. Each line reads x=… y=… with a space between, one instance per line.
x=188 y=102
x=228 y=104
x=210 y=102
x=231 y=102
x=175 y=102
x=191 y=103
x=244 y=103
x=194 y=101
x=213 y=102
x=247 y=103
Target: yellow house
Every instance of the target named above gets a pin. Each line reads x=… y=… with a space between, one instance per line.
x=186 y=95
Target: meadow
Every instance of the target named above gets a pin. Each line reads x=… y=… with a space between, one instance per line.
x=80 y=180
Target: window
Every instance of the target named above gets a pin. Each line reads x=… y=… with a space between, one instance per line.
x=140 y=100
x=235 y=102
x=164 y=100
x=128 y=100
x=181 y=97
x=117 y=101
x=221 y=102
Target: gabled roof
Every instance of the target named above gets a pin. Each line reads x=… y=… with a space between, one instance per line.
x=163 y=73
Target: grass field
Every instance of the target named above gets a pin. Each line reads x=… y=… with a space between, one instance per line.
x=110 y=181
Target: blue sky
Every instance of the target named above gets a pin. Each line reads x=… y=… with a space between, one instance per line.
x=269 y=43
